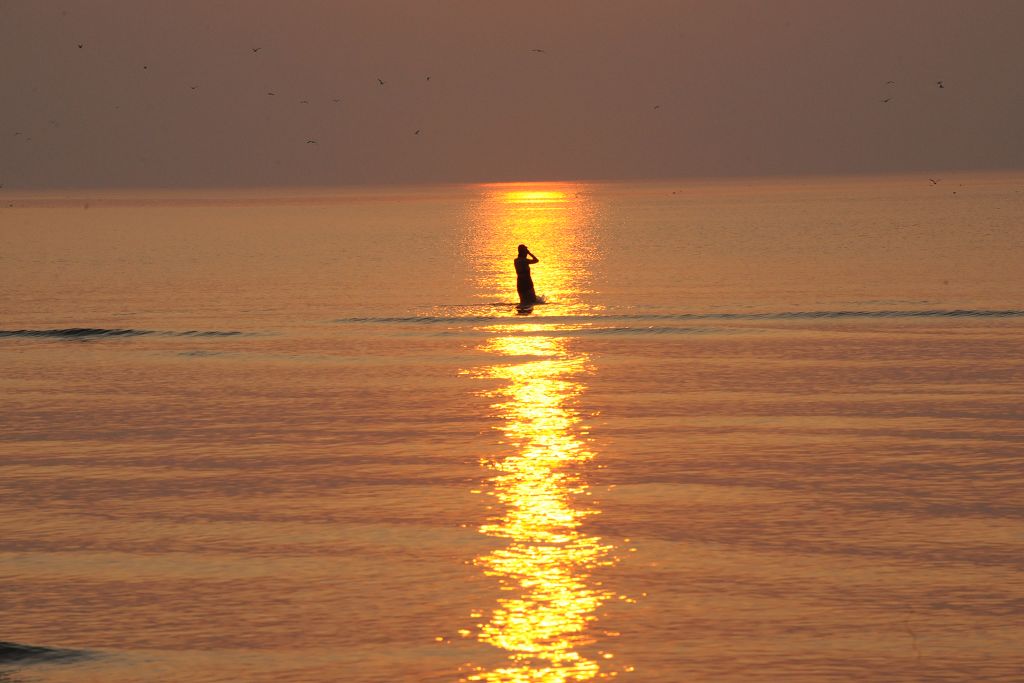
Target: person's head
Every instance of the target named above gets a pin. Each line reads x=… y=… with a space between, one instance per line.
x=523 y=251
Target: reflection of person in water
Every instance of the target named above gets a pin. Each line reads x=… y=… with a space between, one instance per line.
x=524 y=283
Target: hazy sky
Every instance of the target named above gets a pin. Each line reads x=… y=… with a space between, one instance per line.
x=161 y=93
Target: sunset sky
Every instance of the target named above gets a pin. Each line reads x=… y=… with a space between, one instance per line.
x=177 y=94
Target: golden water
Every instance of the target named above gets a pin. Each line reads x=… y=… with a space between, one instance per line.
x=762 y=430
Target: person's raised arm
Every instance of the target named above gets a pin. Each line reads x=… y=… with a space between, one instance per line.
x=530 y=258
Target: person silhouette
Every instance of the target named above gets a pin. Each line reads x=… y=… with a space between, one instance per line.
x=524 y=282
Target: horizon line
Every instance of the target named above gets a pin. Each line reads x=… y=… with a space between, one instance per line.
x=399 y=185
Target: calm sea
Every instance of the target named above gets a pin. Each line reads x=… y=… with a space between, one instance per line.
x=761 y=431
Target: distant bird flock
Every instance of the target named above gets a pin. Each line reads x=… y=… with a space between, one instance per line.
x=381 y=83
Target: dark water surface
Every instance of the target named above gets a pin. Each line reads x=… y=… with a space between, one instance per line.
x=761 y=431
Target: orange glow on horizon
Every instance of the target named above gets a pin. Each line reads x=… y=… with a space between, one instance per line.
x=534 y=196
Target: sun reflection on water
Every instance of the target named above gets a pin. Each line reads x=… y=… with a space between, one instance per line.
x=555 y=220
x=545 y=569
x=543 y=618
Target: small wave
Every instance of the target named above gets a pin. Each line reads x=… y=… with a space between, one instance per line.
x=13 y=652
x=646 y=329
x=93 y=332
x=597 y=331
x=425 y=319
x=74 y=333
x=631 y=317
x=786 y=315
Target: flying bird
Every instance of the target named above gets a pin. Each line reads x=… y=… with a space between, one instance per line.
x=80 y=46
x=890 y=82
x=303 y=101
x=428 y=78
x=657 y=106
x=380 y=81
x=934 y=181
x=257 y=49
x=271 y=93
x=887 y=99
x=336 y=99
x=537 y=49
x=417 y=132
x=939 y=83
x=310 y=142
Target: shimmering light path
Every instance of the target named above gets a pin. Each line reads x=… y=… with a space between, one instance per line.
x=549 y=598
